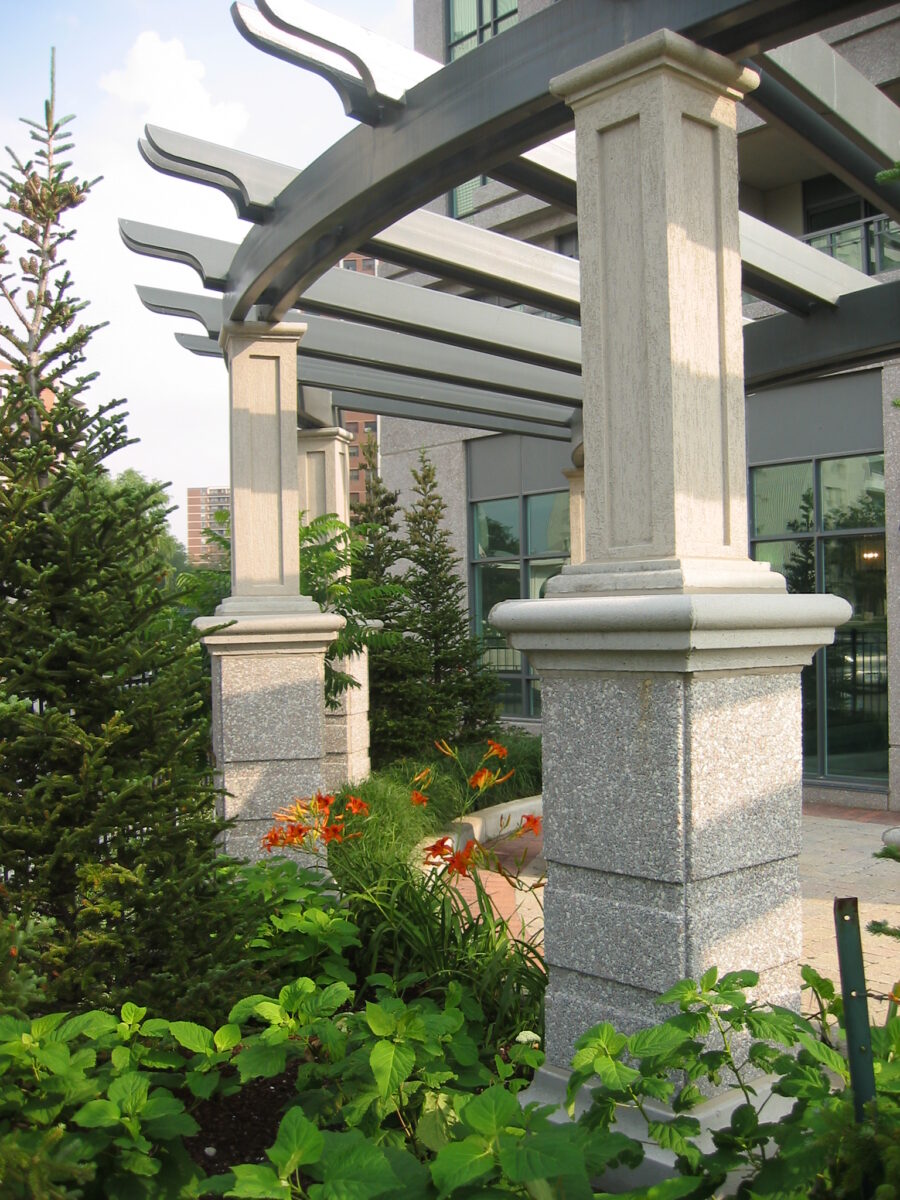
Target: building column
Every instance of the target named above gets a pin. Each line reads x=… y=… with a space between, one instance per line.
x=669 y=660
x=323 y=473
x=323 y=480
x=266 y=642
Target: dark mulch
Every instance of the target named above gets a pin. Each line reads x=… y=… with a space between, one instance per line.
x=240 y=1128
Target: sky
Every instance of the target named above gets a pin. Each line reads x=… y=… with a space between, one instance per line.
x=121 y=64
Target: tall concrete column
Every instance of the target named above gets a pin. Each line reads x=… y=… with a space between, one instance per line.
x=323 y=480
x=669 y=660
x=267 y=642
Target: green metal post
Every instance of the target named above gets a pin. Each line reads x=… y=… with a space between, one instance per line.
x=856 y=1006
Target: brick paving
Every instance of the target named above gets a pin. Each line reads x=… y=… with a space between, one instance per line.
x=836 y=860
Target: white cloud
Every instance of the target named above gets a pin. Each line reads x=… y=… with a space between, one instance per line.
x=167 y=88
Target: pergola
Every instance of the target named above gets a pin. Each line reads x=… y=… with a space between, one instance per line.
x=667 y=641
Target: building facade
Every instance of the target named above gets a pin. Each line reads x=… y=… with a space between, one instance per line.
x=822 y=456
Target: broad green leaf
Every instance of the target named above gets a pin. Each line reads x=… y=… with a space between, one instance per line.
x=121 y=1057
x=332 y=998
x=492 y=1111
x=196 y=1038
x=684 y=992
x=55 y=1056
x=672 y=1135
x=298 y=1143
x=90 y=1025
x=669 y=1189
x=657 y=1042
x=259 y=1183
x=380 y=1021
x=351 y=1168
x=825 y=1055
x=227 y=1037
x=201 y=1084
x=616 y=1075
x=269 y=1010
x=708 y=978
x=461 y=1163
x=132 y=1014
x=129 y=1092
x=436 y=1122
x=97 y=1114
x=246 y=1008
x=391 y=1064
x=42 y=1026
x=543 y=1155
x=260 y=1061
x=738 y=979
x=140 y=1164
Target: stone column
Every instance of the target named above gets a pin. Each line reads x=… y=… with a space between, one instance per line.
x=267 y=642
x=323 y=472
x=323 y=479
x=669 y=661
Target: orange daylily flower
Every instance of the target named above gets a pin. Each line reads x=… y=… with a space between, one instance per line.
x=503 y=778
x=531 y=824
x=418 y=799
x=480 y=779
x=439 y=850
x=496 y=750
x=332 y=833
x=356 y=806
x=458 y=863
x=423 y=777
x=444 y=748
x=322 y=804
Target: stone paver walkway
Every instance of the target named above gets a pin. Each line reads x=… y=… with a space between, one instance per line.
x=836 y=860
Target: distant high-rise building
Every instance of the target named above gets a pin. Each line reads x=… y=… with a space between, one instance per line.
x=361 y=425
x=203 y=504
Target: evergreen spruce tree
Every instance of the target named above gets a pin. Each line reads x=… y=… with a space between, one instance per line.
x=460 y=694
x=398 y=663
x=107 y=805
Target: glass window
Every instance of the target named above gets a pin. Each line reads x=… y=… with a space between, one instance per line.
x=782 y=499
x=495 y=582
x=795 y=560
x=548 y=523
x=497 y=529
x=538 y=575
x=853 y=492
x=845 y=689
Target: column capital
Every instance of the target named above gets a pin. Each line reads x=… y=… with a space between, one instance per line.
x=258 y=331
x=660 y=50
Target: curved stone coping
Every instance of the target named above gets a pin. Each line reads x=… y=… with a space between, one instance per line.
x=682 y=613
x=487 y=823
x=278 y=623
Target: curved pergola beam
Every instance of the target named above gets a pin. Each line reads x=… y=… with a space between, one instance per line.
x=452 y=126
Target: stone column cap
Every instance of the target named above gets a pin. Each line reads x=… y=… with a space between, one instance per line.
x=324 y=433
x=244 y=623
x=682 y=632
x=664 y=48
x=259 y=330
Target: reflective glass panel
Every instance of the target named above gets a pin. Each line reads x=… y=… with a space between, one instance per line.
x=463 y=18
x=548 y=523
x=534 y=697
x=853 y=492
x=810 y=709
x=856 y=665
x=886 y=236
x=509 y=694
x=795 y=560
x=495 y=582
x=496 y=526
x=538 y=574
x=782 y=499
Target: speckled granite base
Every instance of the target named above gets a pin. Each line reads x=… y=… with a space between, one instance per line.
x=672 y=835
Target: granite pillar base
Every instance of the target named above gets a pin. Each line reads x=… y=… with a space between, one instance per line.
x=268 y=670
x=672 y=794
